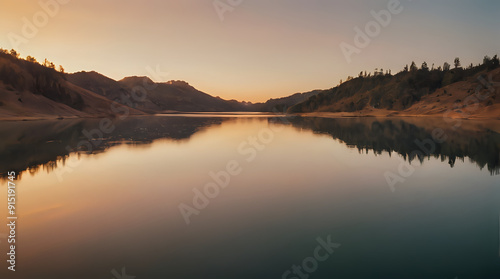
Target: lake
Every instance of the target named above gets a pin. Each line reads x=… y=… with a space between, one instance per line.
x=253 y=196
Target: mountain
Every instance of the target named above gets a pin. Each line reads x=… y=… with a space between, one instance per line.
x=144 y=94
x=31 y=90
x=28 y=89
x=180 y=96
x=458 y=92
x=282 y=104
x=173 y=95
x=108 y=88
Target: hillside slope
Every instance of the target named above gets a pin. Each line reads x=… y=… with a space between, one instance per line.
x=144 y=94
x=458 y=92
x=282 y=104
x=28 y=89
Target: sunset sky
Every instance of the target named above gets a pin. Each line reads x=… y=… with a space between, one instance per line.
x=261 y=49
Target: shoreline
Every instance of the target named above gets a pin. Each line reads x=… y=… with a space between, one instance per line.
x=393 y=115
x=312 y=115
x=370 y=113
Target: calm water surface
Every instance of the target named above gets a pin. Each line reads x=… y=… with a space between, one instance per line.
x=84 y=214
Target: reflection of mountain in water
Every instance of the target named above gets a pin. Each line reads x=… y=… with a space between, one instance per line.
x=473 y=140
x=34 y=144
x=29 y=146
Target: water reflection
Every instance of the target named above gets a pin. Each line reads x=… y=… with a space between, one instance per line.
x=120 y=206
x=43 y=145
x=415 y=138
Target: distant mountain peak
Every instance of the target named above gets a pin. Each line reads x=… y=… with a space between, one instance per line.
x=135 y=79
x=91 y=74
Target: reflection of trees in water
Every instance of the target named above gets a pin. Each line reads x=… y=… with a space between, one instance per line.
x=43 y=145
x=481 y=147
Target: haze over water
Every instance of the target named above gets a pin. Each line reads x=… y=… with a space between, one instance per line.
x=310 y=178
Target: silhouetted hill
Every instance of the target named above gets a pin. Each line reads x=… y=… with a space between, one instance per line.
x=180 y=96
x=30 y=89
x=282 y=104
x=416 y=91
x=111 y=89
x=172 y=95
x=144 y=94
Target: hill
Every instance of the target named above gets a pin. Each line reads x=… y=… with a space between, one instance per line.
x=282 y=104
x=457 y=92
x=28 y=89
x=144 y=94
